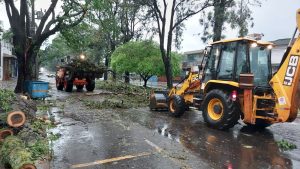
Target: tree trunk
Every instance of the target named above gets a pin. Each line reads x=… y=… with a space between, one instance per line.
x=21 y=74
x=145 y=78
x=106 y=65
x=219 y=16
x=168 y=72
x=127 y=77
x=27 y=65
x=145 y=82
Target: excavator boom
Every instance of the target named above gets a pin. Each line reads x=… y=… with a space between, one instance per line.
x=286 y=82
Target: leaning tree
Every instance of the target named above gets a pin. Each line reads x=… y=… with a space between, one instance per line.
x=28 y=36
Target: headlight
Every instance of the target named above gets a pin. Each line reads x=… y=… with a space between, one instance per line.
x=253 y=45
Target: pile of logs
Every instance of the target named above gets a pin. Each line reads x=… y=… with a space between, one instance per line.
x=12 y=150
x=13 y=119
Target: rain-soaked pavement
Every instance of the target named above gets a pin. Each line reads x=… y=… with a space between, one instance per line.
x=139 y=138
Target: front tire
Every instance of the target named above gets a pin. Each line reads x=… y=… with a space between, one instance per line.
x=90 y=86
x=176 y=105
x=219 y=111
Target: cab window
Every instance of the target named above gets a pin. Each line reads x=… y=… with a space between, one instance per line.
x=212 y=63
x=241 y=60
x=226 y=65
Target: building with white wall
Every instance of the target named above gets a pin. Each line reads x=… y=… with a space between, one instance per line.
x=278 y=51
x=8 y=62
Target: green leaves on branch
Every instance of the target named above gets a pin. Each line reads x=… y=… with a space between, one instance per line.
x=143 y=58
x=285 y=145
x=6 y=99
x=236 y=13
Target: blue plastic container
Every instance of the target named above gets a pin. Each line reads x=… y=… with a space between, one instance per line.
x=37 y=89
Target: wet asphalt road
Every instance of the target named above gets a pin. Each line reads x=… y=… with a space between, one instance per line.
x=139 y=138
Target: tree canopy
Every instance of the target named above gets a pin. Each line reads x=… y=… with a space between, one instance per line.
x=28 y=36
x=143 y=58
x=235 y=13
x=50 y=56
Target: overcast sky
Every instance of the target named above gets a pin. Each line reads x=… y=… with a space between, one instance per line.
x=275 y=19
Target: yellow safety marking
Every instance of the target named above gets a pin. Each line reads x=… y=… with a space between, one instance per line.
x=153 y=145
x=111 y=160
x=167 y=155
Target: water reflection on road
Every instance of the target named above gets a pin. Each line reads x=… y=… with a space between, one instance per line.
x=241 y=147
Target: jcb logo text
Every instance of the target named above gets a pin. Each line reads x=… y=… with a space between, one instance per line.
x=291 y=70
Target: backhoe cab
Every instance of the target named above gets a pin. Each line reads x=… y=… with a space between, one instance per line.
x=237 y=82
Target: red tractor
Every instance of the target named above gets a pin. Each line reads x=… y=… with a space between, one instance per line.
x=78 y=72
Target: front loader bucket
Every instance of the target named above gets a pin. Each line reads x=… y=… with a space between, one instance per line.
x=158 y=100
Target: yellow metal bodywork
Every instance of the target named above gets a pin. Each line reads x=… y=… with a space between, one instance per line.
x=286 y=83
x=210 y=109
x=190 y=86
x=205 y=86
x=241 y=39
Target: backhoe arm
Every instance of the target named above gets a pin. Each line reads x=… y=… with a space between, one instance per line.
x=286 y=82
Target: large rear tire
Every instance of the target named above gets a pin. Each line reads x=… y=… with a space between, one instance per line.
x=219 y=111
x=176 y=105
x=90 y=86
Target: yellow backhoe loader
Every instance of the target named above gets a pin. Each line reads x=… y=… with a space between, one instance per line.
x=238 y=82
x=180 y=97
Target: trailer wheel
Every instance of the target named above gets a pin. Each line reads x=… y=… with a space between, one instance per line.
x=90 y=86
x=176 y=105
x=68 y=86
x=79 y=87
x=219 y=111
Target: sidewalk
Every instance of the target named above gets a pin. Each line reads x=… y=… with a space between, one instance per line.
x=9 y=84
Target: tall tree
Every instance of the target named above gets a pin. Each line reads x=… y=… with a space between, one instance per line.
x=234 y=12
x=84 y=39
x=241 y=16
x=118 y=23
x=104 y=14
x=27 y=41
x=129 y=20
x=51 y=55
x=169 y=17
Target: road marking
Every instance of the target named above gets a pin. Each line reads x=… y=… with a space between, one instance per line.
x=153 y=145
x=111 y=160
x=167 y=155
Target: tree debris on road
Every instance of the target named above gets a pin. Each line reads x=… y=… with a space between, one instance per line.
x=24 y=137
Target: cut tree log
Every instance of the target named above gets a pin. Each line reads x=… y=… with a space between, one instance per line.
x=16 y=119
x=5 y=133
x=13 y=152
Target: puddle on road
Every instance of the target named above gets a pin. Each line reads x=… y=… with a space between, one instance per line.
x=237 y=148
x=240 y=147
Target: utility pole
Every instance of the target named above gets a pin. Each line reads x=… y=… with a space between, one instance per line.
x=32 y=24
